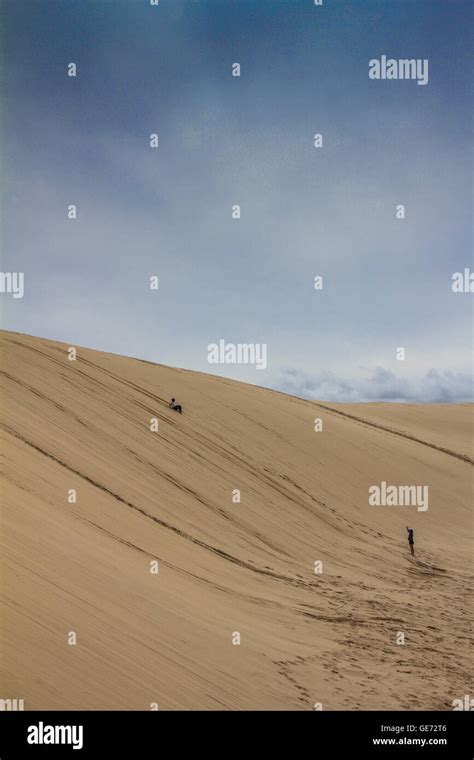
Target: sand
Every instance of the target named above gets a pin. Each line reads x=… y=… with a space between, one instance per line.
x=226 y=569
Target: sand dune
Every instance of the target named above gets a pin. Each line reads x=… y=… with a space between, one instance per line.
x=224 y=567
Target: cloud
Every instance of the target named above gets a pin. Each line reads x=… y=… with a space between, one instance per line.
x=380 y=385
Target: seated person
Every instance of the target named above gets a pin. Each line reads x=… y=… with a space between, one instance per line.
x=175 y=406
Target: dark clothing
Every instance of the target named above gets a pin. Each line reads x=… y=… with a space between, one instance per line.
x=411 y=539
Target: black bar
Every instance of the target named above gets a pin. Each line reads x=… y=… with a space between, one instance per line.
x=156 y=734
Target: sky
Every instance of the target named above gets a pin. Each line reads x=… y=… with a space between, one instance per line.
x=247 y=140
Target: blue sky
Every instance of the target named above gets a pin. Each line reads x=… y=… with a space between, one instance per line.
x=245 y=140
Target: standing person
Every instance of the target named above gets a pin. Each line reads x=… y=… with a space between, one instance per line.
x=411 y=540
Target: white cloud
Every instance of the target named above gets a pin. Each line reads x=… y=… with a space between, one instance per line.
x=382 y=385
